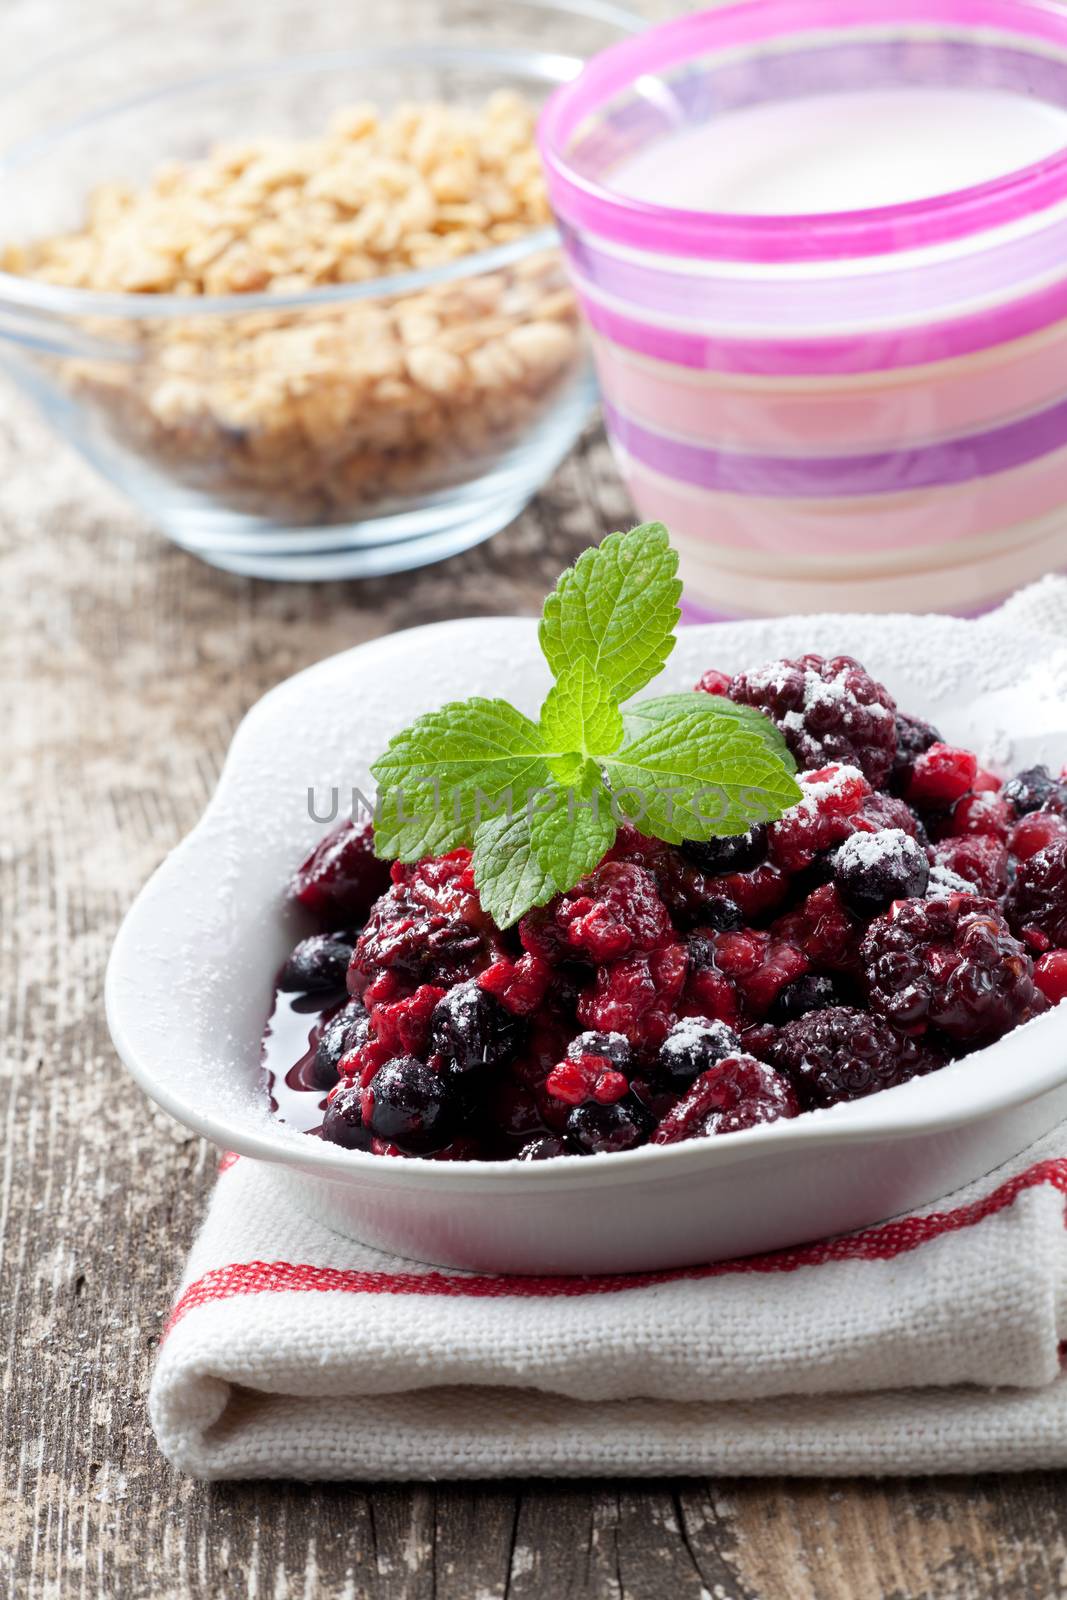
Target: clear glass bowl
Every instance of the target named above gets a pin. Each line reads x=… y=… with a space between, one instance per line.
x=345 y=431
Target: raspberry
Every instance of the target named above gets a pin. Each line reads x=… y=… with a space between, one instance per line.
x=823 y=818
x=612 y=913
x=1050 y=975
x=317 y=964
x=981 y=812
x=739 y=1092
x=1034 y=832
x=343 y=1122
x=692 y=1046
x=813 y=992
x=714 y=682
x=342 y=877
x=913 y=737
x=403 y=1026
x=951 y=964
x=979 y=859
x=586 y=1077
x=428 y=928
x=519 y=986
x=755 y=894
x=690 y=894
x=827 y=710
x=740 y=973
x=636 y=996
x=733 y=853
x=1036 y=904
x=871 y=870
x=1035 y=790
x=843 y=1054
x=469 y=1029
x=408 y=1104
x=941 y=776
x=824 y=929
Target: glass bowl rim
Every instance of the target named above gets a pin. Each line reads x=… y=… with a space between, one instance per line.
x=30 y=295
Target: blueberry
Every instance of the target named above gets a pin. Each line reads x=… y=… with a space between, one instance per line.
x=344 y=1032
x=470 y=1029
x=594 y=1128
x=693 y=1045
x=871 y=870
x=615 y=1047
x=1035 y=790
x=733 y=853
x=317 y=964
x=543 y=1148
x=812 y=992
x=411 y=1105
x=343 y=1122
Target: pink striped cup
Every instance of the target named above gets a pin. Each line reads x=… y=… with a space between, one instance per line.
x=862 y=410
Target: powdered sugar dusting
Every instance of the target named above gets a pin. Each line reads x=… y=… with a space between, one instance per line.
x=874 y=849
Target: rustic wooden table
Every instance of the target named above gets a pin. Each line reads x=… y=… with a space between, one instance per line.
x=125 y=667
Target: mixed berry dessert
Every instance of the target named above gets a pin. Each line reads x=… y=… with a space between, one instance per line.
x=909 y=909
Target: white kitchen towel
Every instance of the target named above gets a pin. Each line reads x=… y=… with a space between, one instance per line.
x=930 y=1343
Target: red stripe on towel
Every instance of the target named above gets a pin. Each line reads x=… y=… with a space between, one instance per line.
x=880 y=1243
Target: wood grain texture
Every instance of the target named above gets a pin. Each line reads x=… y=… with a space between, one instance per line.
x=124 y=667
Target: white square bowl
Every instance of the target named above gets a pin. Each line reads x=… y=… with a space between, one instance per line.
x=190 y=979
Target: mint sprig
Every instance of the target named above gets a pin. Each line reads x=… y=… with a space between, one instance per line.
x=540 y=802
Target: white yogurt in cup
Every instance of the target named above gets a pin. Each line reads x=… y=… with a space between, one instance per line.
x=822 y=248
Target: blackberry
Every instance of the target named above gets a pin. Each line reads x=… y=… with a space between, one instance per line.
x=613 y=1047
x=428 y=928
x=348 y=1030
x=871 y=870
x=343 y=1122
x=913 y=737
x=1035 y=790
x=594 y=1128
x=843 y=1054
x=951 y=964
x=342 y=877
x=813 y=992
x=732 y=853
x=409 y=1104
x=544 y=1148
x=693 y=1045
x=317 y=964
x=739 y=1092
x=1036 y=903
x=827 y=710
x=470 y=1029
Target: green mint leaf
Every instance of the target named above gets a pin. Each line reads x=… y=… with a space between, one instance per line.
x=691 y=771
x=507 y=874
x=579 y=715
x=448 y=770
x=616 y=608
x=638 y=718
x=570 y=835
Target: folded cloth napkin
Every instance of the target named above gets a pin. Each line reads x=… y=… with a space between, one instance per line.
x=929 y=1343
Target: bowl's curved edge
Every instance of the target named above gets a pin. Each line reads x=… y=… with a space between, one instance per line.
x=890 y=1114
